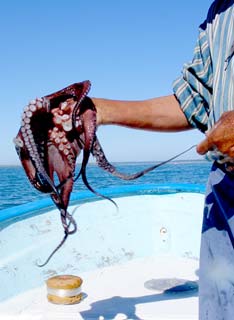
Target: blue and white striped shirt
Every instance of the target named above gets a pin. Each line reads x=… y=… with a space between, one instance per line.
x=206 y=88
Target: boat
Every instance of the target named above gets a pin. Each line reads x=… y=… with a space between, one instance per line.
x=139 y=260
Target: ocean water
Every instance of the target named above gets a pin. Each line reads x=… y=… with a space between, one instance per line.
x=15 y=188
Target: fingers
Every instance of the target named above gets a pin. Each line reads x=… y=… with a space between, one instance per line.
x=221 y=137
x=208 y=145
x=204 y=146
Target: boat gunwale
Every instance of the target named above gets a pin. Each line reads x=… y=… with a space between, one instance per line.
x=24 y=211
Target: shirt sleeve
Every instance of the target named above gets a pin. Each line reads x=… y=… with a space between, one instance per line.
x=193 y=89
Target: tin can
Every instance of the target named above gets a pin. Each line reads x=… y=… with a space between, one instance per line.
x=64 y=289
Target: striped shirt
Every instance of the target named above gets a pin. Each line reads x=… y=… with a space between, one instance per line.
x=206 y=88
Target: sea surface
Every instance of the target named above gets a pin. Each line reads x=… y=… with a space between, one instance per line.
x=15 y=188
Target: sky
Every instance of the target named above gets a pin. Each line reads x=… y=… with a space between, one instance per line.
x=129 y=50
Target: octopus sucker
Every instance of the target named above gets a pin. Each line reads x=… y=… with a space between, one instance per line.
x=64 y=105
x=18 y=142
x=67 y=126
x=54 y=130
x=28 y=114
x=33 y=107
x=61 y=147
x=66 y=152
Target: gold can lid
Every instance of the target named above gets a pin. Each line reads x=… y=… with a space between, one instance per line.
x=65 y=282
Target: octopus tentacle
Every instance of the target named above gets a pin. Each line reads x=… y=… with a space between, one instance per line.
x=67 y=232
x=40 y=106
x=86 y=116
x=53 y=252
x=103 y=163
x=32 y=146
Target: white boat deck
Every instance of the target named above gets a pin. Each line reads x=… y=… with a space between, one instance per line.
x=117 y=292
x=138 y=263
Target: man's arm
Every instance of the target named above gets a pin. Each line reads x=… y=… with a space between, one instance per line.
x=158 y=114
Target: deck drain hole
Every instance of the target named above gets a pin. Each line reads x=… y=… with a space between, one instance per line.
x=171 y=285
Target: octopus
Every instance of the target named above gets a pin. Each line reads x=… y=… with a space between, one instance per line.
x=54 y=130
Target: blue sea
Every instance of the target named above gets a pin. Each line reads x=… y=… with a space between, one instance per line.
x=15 y=188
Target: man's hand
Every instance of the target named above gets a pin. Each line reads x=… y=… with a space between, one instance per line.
x=220 y=137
